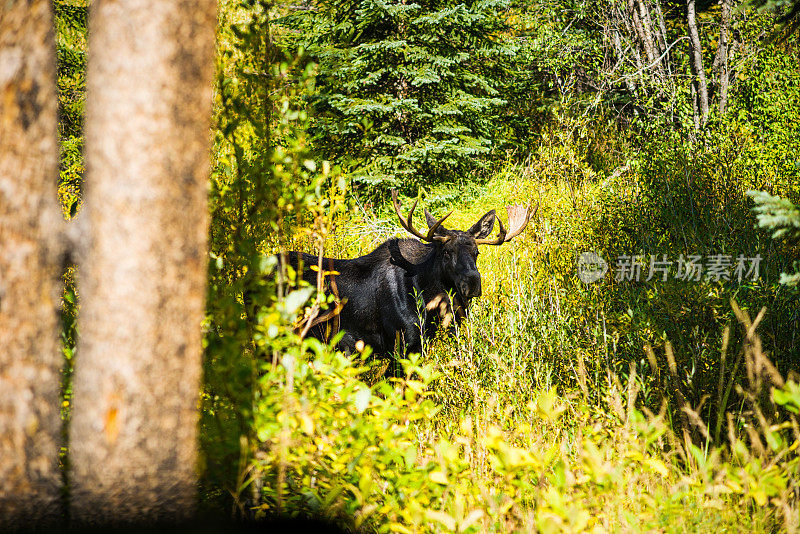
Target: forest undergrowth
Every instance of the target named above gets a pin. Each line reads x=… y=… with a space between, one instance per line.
x=658 y=397
x=557 y=406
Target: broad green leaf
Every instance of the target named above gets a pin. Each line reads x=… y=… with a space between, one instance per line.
x=296 y=299
x=441 y=517
x=361 y=399
x=438 y=477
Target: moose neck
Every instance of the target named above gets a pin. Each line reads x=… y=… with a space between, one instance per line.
x=430 y=278
x=423 y=263
x=429 y=273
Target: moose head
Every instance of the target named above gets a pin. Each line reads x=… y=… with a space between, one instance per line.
x=457 y=250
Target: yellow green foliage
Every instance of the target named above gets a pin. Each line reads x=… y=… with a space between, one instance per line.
x=548 y=410
x=382 y=458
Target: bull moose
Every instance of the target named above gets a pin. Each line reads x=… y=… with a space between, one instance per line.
x=405 y=288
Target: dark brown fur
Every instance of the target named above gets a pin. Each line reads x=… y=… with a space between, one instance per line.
x=402 y=290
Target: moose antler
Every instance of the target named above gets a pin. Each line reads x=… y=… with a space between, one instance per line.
x=518 y=217
x=409 y=226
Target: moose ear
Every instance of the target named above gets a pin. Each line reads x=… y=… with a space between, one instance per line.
x=431 y=220
x=483 y=227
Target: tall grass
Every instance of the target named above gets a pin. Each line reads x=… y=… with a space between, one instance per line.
x=557 y=406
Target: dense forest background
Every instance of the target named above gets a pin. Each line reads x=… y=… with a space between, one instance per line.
x=642 y=128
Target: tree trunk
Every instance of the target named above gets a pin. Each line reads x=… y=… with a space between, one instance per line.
x=31 y=257
x=695 y=111
x=638 y=27
x=662 y=39
x=649 y=41
x=721 y=60
x=143 y=272
x=699 y=72
x=619 y=16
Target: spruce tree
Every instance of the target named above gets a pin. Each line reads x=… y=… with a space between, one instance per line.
x=782 y=217
x=406 y=91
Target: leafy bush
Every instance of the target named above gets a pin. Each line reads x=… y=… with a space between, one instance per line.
x=264 y=183
x=387 y=458
x=71 y=29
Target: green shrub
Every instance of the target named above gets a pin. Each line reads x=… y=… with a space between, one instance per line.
x=387 y=458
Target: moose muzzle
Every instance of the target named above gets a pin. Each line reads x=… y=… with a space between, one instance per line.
x=470 y=286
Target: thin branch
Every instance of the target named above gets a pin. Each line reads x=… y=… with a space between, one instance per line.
x=651 y=64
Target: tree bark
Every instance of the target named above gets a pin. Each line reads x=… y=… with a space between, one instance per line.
x=699 y=72
x=662 y=39
x=642 y=31
x=31 y=257
x=695 y=111
x=636 y=21
x=721 y=60
x=143 y=272
x=649 y=41
x=627 y=22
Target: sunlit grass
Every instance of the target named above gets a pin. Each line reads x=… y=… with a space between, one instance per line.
x=538 y=425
